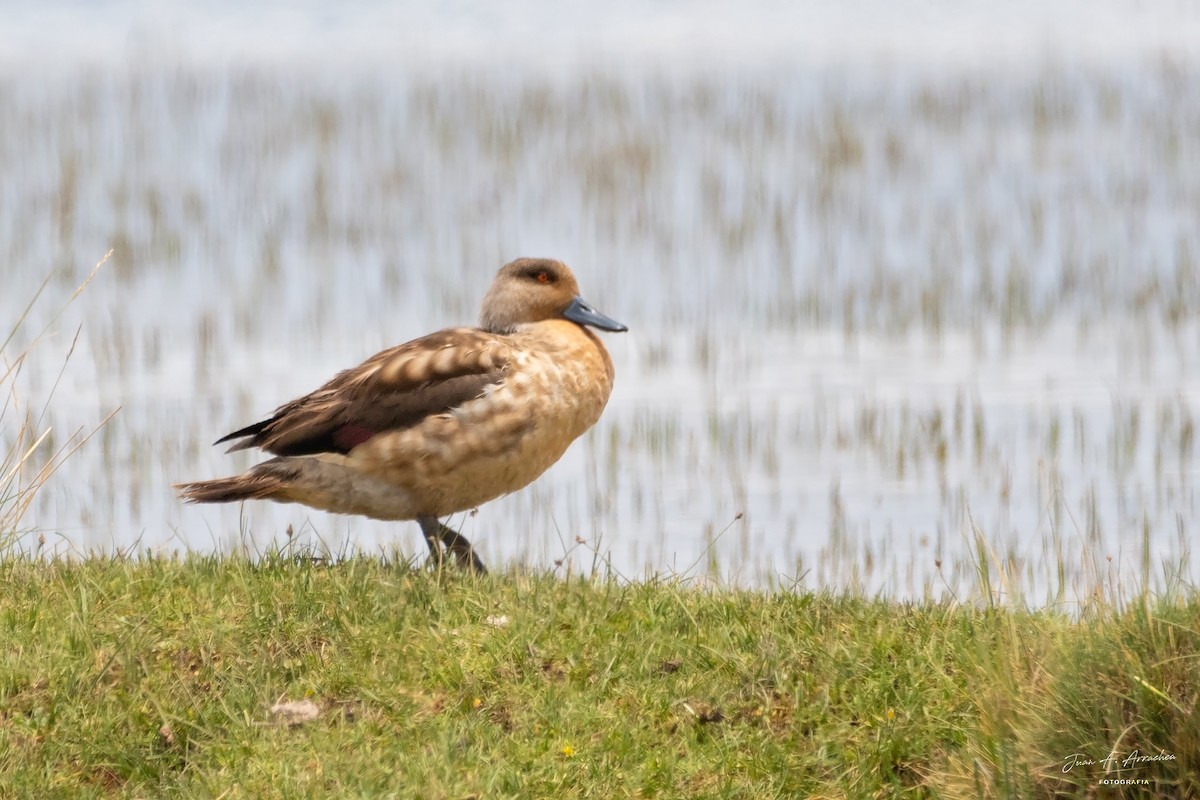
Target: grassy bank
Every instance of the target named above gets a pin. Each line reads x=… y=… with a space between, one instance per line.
x=158 y=677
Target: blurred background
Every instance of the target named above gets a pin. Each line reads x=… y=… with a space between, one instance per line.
x=911 y=286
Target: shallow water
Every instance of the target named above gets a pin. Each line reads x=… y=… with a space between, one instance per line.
x=873 y=309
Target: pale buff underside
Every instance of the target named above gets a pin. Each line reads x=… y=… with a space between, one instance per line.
x=557 y=387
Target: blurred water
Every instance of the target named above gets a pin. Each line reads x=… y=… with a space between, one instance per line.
x=871 y=304
x=542 y=36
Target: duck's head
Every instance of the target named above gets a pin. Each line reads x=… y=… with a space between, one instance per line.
x=534 y=290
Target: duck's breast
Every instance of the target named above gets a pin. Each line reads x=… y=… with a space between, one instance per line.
x=557 y=385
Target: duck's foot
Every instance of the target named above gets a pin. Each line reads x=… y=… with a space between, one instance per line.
x=437 y=535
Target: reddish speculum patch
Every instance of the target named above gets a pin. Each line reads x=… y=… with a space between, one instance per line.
x=350 y=436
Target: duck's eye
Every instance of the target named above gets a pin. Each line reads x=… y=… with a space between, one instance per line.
x=541 y=276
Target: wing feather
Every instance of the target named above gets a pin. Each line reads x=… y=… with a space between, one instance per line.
x=395 y=389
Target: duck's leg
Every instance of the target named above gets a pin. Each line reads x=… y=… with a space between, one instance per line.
x=454 y=541
x=429 y=527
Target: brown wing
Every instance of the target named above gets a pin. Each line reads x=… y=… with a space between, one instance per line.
x=391 y=390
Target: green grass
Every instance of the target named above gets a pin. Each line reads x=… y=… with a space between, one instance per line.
x=156 y=677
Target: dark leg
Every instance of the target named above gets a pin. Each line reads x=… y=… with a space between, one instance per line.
x=457 y=544
x=454 y=541
x=429 y=527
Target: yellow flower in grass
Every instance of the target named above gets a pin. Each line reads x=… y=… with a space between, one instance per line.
x=568 y=751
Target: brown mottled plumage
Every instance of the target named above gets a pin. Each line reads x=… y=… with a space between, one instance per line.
x=443 y=423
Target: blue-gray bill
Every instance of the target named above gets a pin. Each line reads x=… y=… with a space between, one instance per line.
x=579 y=311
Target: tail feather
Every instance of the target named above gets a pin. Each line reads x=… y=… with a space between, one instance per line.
x=253 y=485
